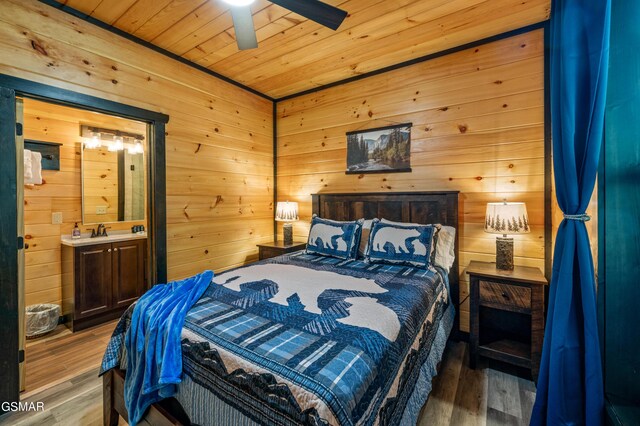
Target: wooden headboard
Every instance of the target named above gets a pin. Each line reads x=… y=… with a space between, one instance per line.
x=416 y=207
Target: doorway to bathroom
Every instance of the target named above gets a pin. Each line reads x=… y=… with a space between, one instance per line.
x=83 y=203
x=92 y=162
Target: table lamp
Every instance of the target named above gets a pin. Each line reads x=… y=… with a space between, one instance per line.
x=506 y=218
x=287 y=212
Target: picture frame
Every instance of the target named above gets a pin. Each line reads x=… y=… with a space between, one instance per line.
x=379 y=150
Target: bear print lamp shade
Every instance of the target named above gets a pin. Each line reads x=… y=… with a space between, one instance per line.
x=506 y=219
x=287 y=212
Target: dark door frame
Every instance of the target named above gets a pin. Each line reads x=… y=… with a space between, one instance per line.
x=10 y=243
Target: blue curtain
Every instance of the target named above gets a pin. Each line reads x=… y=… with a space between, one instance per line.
x=570 y=387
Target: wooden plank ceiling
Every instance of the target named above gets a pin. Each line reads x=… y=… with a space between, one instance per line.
x=296 y=54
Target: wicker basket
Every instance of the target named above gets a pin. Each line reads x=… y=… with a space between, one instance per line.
x=41 y=319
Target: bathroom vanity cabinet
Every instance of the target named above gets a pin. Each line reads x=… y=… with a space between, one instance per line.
x=101 y=278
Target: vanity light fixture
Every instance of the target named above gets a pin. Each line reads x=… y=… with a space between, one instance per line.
x=94 y=142
x=131 y=149
x=118 y=144
x=136 y=148
x=114 y=140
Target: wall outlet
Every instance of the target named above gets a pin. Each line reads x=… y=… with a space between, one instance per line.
x=56 y=218
x=101 y=209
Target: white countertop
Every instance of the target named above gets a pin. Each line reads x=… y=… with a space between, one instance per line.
x=115 y=236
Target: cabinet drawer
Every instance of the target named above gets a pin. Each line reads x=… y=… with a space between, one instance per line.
x=267 y=253
x=510 y=297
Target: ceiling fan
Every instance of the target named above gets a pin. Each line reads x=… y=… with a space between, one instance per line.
x=322 y=13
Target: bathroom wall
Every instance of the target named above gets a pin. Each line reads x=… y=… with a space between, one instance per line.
x=61 y=191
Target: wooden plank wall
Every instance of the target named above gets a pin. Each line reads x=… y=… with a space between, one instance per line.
x=219 y=138
x=61 y=191
x=478 y=127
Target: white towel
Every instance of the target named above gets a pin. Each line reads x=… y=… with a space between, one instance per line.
x=36 y=169
x=28 y=173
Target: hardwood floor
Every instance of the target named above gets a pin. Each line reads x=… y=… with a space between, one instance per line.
x=485 y=396
x=460 y=396
x=61 y=355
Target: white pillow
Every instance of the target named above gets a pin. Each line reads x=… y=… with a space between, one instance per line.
x=445 y=247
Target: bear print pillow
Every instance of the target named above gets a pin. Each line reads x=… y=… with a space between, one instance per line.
x=408 y=245
x=334 y=238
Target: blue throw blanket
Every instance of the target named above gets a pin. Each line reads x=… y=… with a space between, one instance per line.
x=154 y=354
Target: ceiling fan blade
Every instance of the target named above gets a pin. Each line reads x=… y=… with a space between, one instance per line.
x=322 y=13
x=243 y=25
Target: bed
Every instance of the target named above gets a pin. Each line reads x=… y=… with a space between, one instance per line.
x=358 y=346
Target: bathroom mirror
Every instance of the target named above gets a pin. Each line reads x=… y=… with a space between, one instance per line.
x=113 y=179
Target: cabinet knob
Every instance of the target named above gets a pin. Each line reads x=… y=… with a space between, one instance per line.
x=115 y=249
x=505 y=295
x=109 y=250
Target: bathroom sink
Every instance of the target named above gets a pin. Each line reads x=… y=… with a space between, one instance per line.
x=86 y=240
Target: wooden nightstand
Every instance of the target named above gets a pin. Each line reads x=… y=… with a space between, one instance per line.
x=507 y=314
x=273 y=249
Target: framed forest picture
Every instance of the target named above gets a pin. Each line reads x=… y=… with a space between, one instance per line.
x=379 y=150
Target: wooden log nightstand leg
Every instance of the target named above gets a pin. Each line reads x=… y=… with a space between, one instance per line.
x=474 y=319
x=537 y=329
